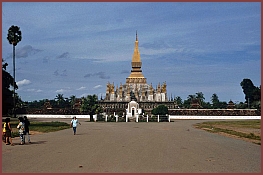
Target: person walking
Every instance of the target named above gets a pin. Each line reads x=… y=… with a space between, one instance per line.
x=27 y=123
x=74 y=123
x=21 y=127
x=8 y=132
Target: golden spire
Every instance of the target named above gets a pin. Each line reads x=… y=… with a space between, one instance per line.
x=136 y=53
x=136 y=75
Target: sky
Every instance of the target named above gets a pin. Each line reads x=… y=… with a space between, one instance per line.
x=77 y=48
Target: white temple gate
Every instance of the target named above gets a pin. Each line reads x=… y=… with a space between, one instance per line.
x=133 y=110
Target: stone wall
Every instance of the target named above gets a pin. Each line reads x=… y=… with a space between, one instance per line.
x=215 y=112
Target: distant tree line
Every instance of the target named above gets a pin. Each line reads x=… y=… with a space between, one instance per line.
x=251 y=92
x=200 y=99
x=84 y=105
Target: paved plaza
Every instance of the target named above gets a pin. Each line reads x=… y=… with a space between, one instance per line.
x=101 y=147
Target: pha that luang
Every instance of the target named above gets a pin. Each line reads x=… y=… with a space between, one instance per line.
x=136 y=87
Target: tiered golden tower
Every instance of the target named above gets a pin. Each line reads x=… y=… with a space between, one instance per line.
x=136 y=87
x=136 y=75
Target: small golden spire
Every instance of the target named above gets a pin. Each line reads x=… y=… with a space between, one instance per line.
x=136 y=36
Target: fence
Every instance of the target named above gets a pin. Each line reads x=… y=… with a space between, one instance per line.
x=147 y=118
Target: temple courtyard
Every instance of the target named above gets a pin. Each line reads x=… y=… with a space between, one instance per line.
x=110 y=147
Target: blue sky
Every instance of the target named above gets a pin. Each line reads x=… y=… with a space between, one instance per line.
x=76 y=48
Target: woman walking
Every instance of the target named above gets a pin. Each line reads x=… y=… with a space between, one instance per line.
x=74 y=123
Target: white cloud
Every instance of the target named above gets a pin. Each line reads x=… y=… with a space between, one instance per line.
x=97 y=87
x=81 y=88
x=34 y=90
x=61 y=91
x=23 y=82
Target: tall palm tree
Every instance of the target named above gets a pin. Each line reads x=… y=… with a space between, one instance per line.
x=72 y=100
x=200 y=97
x=215 y=101
x=14 y=36
x=60 y=100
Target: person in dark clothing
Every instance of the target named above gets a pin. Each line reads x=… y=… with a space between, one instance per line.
x=27 y=123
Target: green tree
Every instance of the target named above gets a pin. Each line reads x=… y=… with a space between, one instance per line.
x=178 y=101
x=90 y=105
x=215 y=101
x=60 y=100
x=7 y=98
x=248 y=89
x=197 y=97
x=222 y=105
x=252 y=93
x=257 y=98
x=67 y=103
x=20 y=105
x=72 y=100
x=53 y=102
x=188 y=101
x=200 y=96
x=241 y=105
x=32 y=104
x=14 y=36
x=161 y=110
x=206 y=105
x=257 y=94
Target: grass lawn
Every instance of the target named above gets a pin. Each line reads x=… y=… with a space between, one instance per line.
x=248 y=130
x=40 y=126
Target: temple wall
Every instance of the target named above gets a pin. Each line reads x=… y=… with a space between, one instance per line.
x=215 y=112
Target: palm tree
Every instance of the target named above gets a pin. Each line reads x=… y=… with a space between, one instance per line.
x=200 y=97
x=14 y=36
x=60 y=100
x=72 y=100
x=178 y=101
x=215 y=101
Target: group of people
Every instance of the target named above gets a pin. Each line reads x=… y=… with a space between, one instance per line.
x=23 y=130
